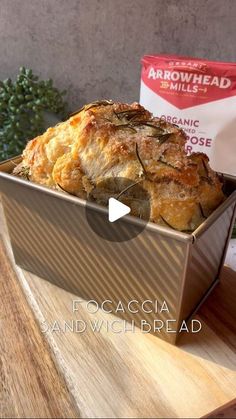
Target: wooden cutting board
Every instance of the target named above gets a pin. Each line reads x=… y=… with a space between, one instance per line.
x=106 y=374
x=30 y=383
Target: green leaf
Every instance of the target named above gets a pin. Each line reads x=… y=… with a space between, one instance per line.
x=22 y=103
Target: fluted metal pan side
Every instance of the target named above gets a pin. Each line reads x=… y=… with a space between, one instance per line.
x=50 y=237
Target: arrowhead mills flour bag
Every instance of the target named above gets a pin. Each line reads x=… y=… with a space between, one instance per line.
x=200 y=97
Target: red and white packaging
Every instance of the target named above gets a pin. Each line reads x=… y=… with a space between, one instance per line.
x=200 y=97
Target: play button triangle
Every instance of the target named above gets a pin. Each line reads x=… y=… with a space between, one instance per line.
x=116 y=210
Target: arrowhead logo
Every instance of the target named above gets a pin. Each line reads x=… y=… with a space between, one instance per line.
x=116 y=210
x=185 y=87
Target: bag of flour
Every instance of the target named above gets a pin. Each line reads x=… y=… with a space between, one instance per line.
x=200 y=97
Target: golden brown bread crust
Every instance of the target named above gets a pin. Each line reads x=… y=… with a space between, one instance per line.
x=108 y=139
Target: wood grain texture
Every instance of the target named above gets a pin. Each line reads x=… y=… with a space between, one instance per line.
x=30 y=384
x=227 y=411
x=135 y=374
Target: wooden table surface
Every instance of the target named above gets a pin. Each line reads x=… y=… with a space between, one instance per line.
x=104 y=374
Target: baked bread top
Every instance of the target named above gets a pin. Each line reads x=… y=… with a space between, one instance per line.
x=107 y=140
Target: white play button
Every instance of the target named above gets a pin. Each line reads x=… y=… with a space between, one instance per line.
x=109 y=224
x=117 y=210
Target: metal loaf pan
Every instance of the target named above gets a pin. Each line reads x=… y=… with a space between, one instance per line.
x=50 y=237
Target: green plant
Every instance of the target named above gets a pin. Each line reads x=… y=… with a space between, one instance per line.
x=23 y=104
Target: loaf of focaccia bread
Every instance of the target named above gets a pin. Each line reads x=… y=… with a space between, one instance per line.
x=107 y=140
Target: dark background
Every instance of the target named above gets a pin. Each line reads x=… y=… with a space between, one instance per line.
x=93 y=47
